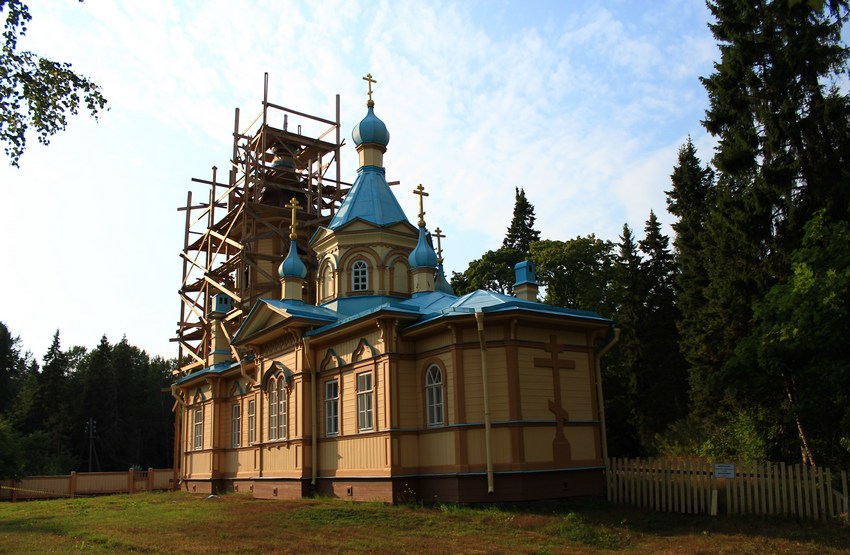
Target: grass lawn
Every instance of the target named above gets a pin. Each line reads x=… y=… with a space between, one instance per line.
x=177 y=522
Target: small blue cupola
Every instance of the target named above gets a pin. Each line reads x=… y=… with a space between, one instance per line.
x=525 y=273
x=423 y=255
x=371 y=130
x=292 y=266
x=526 y=286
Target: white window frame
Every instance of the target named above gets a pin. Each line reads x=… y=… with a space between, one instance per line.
x=365 y=402
x=359 y=275
x=198 y=429
x=434 y=398
x=252 y=421
x=272 y=391
x=281 y=408
x=332 y=407
x=236 y=425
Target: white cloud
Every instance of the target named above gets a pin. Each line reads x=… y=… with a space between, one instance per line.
x=582 y=106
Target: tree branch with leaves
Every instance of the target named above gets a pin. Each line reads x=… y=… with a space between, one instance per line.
x=36 y=93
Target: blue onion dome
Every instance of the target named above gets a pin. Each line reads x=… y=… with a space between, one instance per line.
x=371 y=130
x=423 y=255
x=292 y=266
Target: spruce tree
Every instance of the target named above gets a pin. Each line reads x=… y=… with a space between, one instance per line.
x=494 y=271
x=12 y=368
x=662 y=385
x=782 y=156
x=618 y=373
x=521 y=233
x=691 y=199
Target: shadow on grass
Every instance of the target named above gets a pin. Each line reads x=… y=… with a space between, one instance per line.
x=598 y=523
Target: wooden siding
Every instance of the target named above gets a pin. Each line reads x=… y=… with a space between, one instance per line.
x=500 y=443
x=409 y=390
x=198 y=464
x=536 y=385
x=281 y=459
x=533 y=333
x=576 y=392
x=582 y=442
x=240 y=462
x=435 y=342
x=358 y=455
x=472 y=387
x=437 y=449
x=408 y=449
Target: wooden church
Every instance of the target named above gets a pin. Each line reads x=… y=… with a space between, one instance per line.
x=364 y=377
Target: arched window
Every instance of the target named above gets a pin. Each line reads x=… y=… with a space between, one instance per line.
x=359 y=276
x=277 y=408
x=326 y=286
x=434 y=396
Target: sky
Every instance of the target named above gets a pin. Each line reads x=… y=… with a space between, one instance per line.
x=583 y=104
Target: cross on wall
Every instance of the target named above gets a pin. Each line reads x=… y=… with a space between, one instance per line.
x=560 y=445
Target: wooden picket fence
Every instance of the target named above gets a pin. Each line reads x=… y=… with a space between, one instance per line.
x=86 y=483
x=691 y=487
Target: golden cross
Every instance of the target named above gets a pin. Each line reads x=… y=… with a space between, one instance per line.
x=369 y=80
x=293 y=204
x=438 y=233
x=420 y=190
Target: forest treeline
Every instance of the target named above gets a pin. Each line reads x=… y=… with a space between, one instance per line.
x=103 y=409
x=734 y=336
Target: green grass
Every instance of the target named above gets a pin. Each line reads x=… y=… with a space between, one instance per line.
x=177 y=522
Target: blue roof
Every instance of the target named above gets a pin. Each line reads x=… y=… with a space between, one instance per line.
x=492 y=302
x=370 y=200
x=215 y=369
x=431 y=305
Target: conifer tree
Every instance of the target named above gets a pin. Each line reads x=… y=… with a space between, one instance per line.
x=782 y=156
x=691 y=199
x=521 y=233
x=618 y=374
x=662 y=385
x=494 y=271
x=11 y=368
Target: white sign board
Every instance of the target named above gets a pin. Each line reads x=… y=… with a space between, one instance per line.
x=724 y=470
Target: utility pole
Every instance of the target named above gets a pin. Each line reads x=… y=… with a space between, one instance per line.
x=90 y=433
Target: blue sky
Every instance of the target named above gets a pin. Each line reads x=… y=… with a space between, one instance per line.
x=583 y=104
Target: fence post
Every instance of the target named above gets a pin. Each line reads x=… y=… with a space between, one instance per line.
x=72 y=485
x=846 y=500
x=131 y=480
x=150 y=479
x=830 y=504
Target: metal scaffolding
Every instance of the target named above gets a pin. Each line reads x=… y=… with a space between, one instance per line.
x=235 y=239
